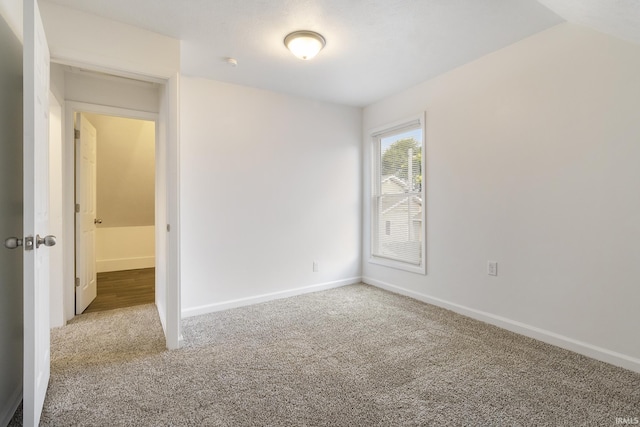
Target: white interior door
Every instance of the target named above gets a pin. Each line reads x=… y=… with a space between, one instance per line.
x=86 y=276
x=36 y=214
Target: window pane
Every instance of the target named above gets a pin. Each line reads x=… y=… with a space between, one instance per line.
x=401 y=162
x=400 y=228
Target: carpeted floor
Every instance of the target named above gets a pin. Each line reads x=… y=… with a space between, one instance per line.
x=352 y=356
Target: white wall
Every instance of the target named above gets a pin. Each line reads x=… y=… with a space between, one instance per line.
x=532 y=161
x=168 y=214
x=269 y=183
x=78 y=38
x=111 y=91
x=62 y=304
x=125 y=192
x=56 y=82
x=125 y=248
x=11 y=11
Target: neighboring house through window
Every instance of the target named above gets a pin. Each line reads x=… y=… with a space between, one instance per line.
x=398 y=212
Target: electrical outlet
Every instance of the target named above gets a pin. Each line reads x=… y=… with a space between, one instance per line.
x=316 y=267
x=492 y=268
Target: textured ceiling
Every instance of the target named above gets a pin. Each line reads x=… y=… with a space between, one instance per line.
x=620 y=18
x=374 y=47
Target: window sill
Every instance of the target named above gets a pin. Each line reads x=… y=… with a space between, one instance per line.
x=398 y=265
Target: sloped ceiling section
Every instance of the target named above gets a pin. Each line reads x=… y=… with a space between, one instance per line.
x=619 y=18
x=375 y=48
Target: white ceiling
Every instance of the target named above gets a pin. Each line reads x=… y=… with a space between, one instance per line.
x=620 y=18
x=374 y=47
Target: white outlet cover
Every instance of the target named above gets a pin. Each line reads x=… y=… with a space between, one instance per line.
x=492 y=268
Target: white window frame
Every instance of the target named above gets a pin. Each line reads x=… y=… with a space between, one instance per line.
x=413 y=122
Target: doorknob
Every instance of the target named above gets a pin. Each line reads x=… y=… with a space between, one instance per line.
x=97 y=221
x=46 y=240
x=12 y=243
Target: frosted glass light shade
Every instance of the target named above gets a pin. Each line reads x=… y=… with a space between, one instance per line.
x=304 y=44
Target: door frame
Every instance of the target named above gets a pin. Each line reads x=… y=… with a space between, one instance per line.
x=166 y=186
x=73 y=108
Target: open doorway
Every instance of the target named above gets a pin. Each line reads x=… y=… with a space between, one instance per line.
x=96 y=92
x=115 y=211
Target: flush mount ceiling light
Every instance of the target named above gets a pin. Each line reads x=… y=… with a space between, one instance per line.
x=304 y=44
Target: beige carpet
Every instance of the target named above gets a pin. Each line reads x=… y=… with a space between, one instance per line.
x=353 y=356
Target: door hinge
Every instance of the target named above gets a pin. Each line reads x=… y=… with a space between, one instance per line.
x=77 y=282
x=77 y=207
x=76 y=133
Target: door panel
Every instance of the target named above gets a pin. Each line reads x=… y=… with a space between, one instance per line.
x=11 y=312
x=86 y=288
x=36 y=213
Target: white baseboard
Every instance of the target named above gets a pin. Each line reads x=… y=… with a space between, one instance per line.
x=549 y=337
x=210 y=308
x=104 y=265
x=9 y=407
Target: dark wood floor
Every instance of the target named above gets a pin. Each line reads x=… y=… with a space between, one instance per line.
x=117 y=289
